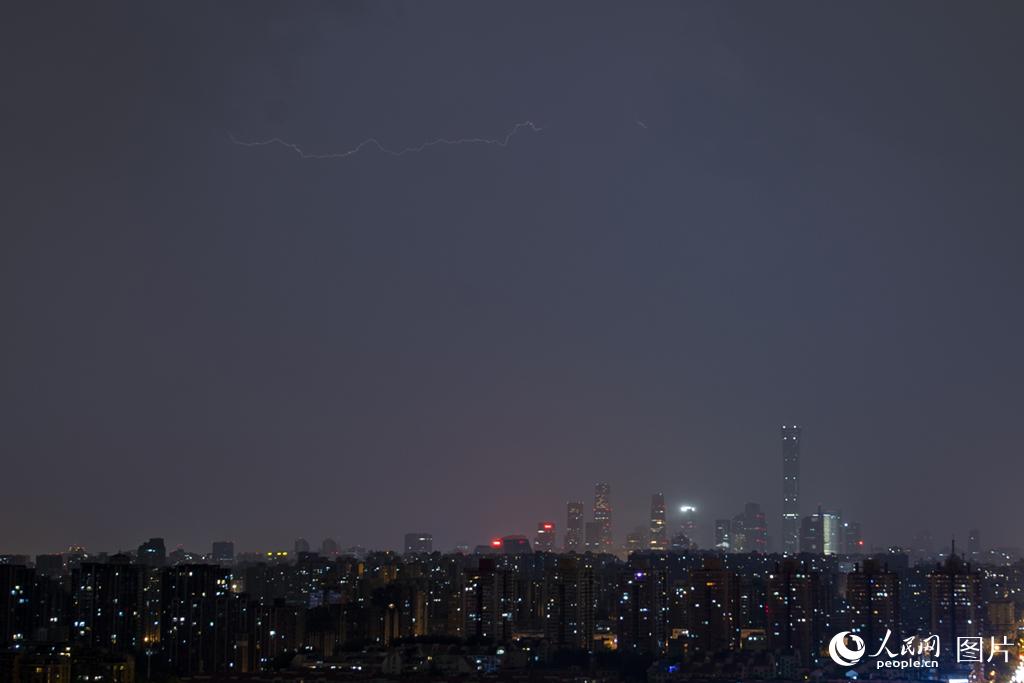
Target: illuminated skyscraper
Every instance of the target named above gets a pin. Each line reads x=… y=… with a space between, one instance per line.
x=574 y=526
x=821 y=533
x=603 y=513
x=688 y=525
x=659 y=533
x=791 y=489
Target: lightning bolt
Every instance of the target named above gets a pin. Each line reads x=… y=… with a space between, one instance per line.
x=373 y=143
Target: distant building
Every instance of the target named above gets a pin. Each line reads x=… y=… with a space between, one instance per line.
x=223 y=551
x=301 y=546
x=545 y=539
x=688 y=524
x=330 y=548
x=153 y=553
x=749 y=530
x=658 y=531
x=723 y=534
x=681 y=543
x=574 y=526
x=603 y=514
x=853 y=539
x=515 y=544
x=593 y=541
x=821 y=533
x=636 y=541
x=419 y=542
x=791 y=489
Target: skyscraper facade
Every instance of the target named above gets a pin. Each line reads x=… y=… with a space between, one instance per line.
x=659 y=532
x=545 y=539
x=603 y=513
x=791 y=489
x=749 y=530
x=573 y=526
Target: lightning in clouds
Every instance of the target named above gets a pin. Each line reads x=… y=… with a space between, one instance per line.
x=373 y=143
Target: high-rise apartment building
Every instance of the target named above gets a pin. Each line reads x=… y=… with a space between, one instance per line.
x=956 y=605
x=873 y=593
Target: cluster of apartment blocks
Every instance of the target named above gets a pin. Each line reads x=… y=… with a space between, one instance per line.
x=198 y=618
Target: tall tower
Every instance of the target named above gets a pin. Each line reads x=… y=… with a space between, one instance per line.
x=791 y=489
x=659 y=533
x=574 y=526
x=603 y=513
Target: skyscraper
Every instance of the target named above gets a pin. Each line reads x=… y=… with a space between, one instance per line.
x=749 y=530
x=659 y=532
x=574 y=526
x=821 y=533
x=688 y=525
x=791 y=489
x=545 y=539
x=603 y=513
x=853 y=538
x=723 y=535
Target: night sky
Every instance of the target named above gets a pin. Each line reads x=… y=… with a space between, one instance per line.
x=733 y=216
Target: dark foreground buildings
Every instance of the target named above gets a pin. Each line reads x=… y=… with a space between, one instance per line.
x=672 y=614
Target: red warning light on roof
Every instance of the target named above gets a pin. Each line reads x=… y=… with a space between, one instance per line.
x=496 y=543
x=548 y=526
